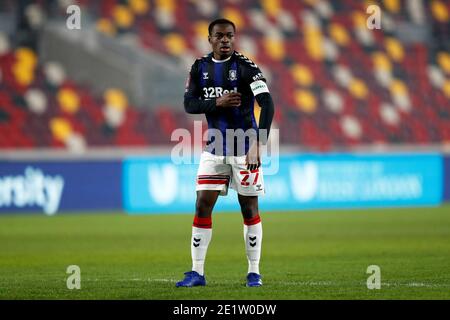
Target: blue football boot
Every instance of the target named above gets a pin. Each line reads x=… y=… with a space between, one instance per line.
x=254 y=280
x=192 y=279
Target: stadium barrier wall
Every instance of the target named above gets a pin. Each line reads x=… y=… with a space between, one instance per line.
x=156 y=185
x=59 y=186
x=447 y=179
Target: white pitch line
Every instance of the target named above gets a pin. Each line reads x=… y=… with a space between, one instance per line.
x=387 y=284
x=133 y=279
x=416 y=284
x=148 y=280
x=299 y=283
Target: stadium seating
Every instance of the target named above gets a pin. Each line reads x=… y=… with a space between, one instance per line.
x=41 y=107
x=335 y=82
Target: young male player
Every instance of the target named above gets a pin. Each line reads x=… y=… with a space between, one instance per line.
x=223 y=85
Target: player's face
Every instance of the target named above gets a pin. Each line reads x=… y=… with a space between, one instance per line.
x=222 y=41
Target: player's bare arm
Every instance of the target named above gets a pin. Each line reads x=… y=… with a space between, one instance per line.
x=253 y=158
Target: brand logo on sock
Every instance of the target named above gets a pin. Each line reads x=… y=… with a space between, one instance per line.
x=252 y=244
x=196 y=244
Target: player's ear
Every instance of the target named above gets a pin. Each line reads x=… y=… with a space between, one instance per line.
x=209 y=38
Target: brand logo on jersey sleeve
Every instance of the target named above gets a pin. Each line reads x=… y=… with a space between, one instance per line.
x=259 y=76
x=205 y=76
x=250 y=62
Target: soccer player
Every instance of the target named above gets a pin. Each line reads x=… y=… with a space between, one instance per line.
x=223 y=85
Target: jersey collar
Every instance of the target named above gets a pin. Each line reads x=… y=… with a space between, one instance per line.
x=221 y=61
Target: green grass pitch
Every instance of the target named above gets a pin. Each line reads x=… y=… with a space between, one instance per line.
x=306 y=255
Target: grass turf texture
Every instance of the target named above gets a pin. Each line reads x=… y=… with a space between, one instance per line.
x=306 y=255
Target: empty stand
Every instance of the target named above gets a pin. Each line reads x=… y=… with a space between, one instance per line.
x=334 y=81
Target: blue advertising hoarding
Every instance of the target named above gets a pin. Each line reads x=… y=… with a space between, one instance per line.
x=447 y=179
x=54 y=186
x=156 y=185
x=345 y=181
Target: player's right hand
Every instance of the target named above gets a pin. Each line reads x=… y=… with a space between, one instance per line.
x=232 y=99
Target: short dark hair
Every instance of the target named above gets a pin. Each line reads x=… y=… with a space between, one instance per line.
x=220 y=21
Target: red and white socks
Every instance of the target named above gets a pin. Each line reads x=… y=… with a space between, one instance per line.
x=201 y=236
x=253 y=239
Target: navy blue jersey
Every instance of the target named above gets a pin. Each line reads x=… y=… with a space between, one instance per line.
x=210 y=79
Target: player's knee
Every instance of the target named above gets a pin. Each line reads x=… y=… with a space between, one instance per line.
x=203 y=207
x=249 y=209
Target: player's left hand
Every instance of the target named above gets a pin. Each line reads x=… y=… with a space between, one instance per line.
x=253 y=159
